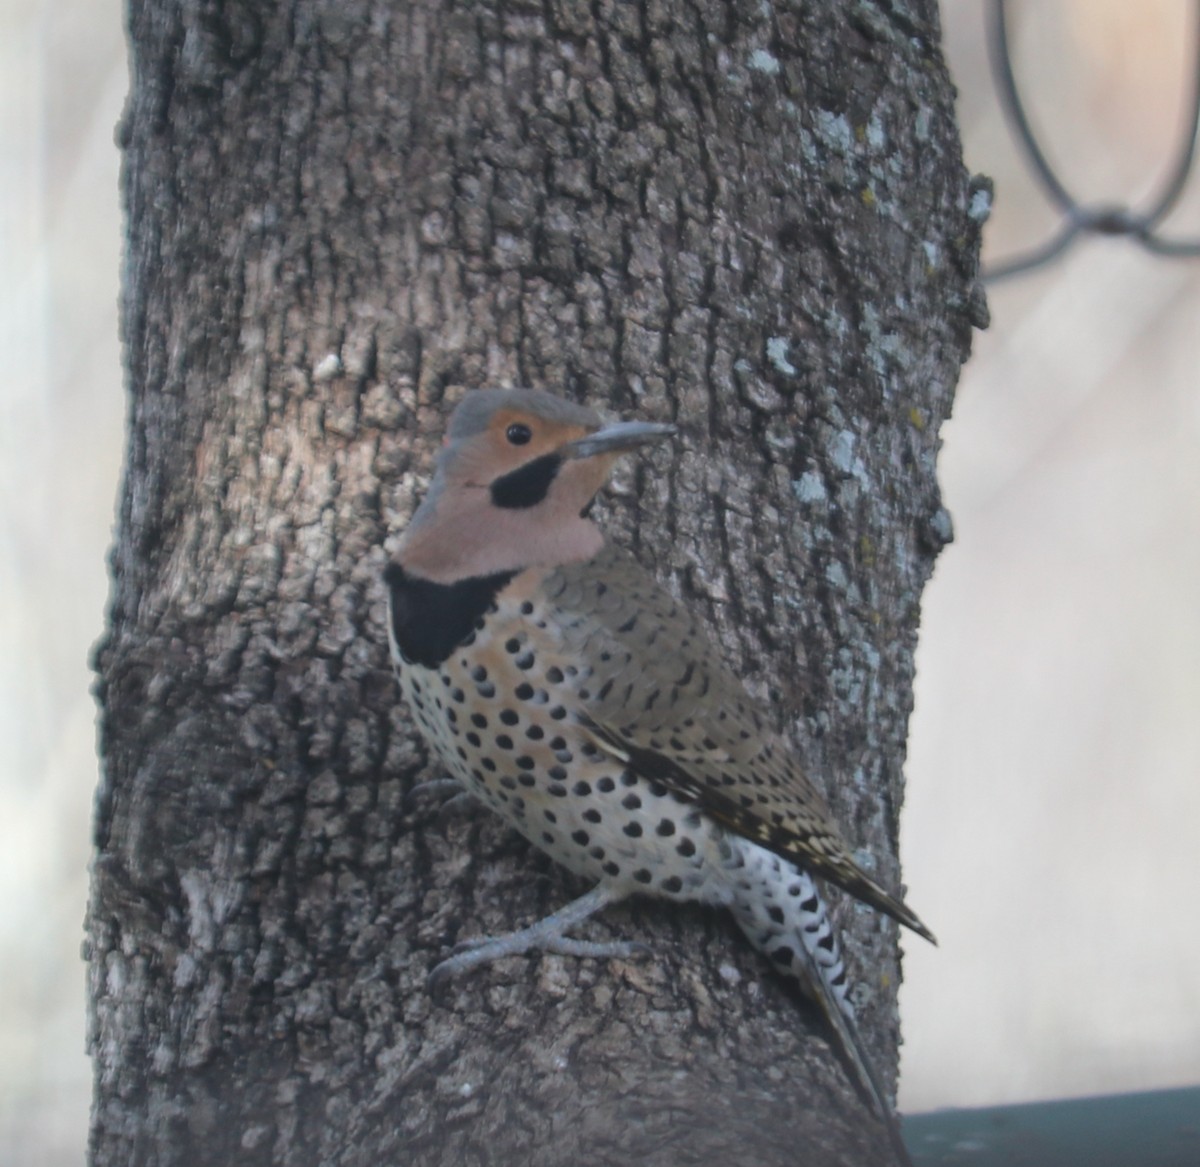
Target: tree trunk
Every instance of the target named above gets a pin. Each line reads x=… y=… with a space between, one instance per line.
x=752 y=219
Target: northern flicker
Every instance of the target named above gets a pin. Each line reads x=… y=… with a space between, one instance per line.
x=566 y=689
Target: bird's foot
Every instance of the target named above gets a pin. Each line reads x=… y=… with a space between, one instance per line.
x=450 y=789
x=546 y=935
x=485 y=949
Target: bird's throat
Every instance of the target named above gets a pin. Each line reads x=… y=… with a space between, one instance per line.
x=430 y=620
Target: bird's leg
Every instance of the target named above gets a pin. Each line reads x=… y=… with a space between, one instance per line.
x=451 y=789
x=446 y=786
x=547 y=935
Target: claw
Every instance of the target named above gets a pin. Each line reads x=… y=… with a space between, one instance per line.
x=470 y=954
x=458 y=798
x=450 y=787
x=545 y=936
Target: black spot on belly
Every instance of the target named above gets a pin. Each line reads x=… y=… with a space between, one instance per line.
x=429 y=620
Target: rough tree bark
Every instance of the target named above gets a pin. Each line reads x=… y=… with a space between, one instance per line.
x=749 y=218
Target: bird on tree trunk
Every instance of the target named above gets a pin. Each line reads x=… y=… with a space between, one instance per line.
x=563 y=686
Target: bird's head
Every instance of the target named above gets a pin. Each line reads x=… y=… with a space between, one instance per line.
x=512 y=484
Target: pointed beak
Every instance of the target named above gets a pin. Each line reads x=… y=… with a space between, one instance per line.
x=618 y=437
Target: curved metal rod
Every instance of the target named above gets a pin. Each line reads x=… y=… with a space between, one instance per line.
x=1171 y=248
x=1098 y=220
x=1177 y=180
x=1035 y=257
x=1010 y=99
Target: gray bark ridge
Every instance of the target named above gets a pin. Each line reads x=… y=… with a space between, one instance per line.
x=752 y=219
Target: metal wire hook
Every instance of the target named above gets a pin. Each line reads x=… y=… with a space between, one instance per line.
x=1079 y=218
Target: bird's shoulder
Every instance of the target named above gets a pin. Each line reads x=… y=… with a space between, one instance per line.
x=656 y=694
x=658 y=686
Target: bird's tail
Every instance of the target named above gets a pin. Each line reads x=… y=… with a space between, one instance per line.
x=781 y=910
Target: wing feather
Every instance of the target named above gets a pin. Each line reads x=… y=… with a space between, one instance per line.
x=657 y=695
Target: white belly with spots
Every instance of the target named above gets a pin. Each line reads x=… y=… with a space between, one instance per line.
x=498 y=712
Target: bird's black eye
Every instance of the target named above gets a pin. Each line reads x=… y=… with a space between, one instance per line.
x=518 y=434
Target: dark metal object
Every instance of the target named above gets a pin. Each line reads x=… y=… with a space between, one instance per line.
x=1155 y=1129
x=1079 y=218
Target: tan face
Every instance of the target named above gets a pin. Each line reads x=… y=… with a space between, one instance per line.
x=510 y=489
x=508 y=498
x=503 y=446
x=517 y=439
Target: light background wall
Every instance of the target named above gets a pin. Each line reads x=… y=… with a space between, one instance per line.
x=1052 y=832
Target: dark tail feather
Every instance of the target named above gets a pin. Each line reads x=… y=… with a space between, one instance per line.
x=805 y=945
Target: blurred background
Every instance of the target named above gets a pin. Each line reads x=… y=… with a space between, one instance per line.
x=1052 y=831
